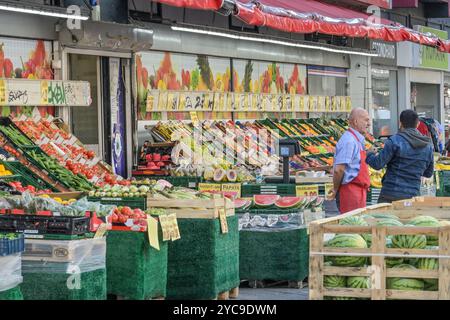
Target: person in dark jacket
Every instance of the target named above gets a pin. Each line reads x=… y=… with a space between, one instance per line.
x=407 y=156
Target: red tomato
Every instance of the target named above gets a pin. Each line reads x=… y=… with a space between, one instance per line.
x=115 y=218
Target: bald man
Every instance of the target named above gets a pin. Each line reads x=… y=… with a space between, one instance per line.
x=350 y=174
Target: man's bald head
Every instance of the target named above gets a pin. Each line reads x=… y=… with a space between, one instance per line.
x=359 y=120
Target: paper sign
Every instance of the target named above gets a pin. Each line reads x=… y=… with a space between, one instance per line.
x=163 y=220
x=210 y=187
x=101 y=231
x=182 y=102
x=223 y=221
x=348 y=104
x=44 y=92
x=208 y=101
x=2 y=92
x=174 y=230
x=334 y=103
x=162 y=101
x=152 y=230
x=193 y=116
x=438 y=184
x=327 y=104
x=233 y=189
x=172 y=101
x=307 y=190
x=329 y=187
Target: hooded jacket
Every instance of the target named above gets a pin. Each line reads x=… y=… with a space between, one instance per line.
x=407 y=156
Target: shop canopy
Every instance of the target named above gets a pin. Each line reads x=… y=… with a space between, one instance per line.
x=310 y=16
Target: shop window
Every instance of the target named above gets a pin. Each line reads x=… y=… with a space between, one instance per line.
x=327 y=81
x=384 y=102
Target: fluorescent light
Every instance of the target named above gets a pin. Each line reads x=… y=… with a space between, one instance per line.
x=43 y=13
x=271 y=41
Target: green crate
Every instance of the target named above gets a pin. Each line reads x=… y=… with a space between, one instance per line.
x=249 y=190
x=268 y=211
x=281 y=255
x=135 y=270
x=64 y=237
x=11 y=294
x=133 y=203
x=205 y=261
x=27 y=176
x=443 y=188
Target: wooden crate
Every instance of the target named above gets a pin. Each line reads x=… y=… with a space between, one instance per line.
x=197 y=208
x=377 y=271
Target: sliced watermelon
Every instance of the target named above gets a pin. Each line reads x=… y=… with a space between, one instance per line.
x=265 y=200
x=319 y=202
x=288 y=202
x=241 y=203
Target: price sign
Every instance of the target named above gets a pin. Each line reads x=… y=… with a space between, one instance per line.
x=152 y=231
x=2 y=92
x=182 y=102
x=342 y=104
x=172 y=101
x=223 y=221
x=174 y=230
x=334 y=103
x=348 y=104
x=328 y=188
x=44 y=92
x=219 y=101
x=301 y=103
x=210 y=187
x=230 y=102
x=327 y=104
x=232 y=189
x=208 y=101
x=165 y=226
x=256 y=102
x=307 y=190
x=101 y=231
x=162 y=101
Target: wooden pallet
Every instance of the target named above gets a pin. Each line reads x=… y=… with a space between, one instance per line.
x=231 y=294
x=291 y=284
x=195 y=209
x=378 y=272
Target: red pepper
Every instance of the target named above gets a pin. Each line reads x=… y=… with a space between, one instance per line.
x=39 y=54
x=2 y=59
x=8 y=68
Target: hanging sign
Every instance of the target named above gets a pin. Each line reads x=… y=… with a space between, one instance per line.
x=24 y=92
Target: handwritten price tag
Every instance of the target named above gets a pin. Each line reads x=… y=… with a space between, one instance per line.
x=307 y=190
x=210 y=187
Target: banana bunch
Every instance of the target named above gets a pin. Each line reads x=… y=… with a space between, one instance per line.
x=375 y=177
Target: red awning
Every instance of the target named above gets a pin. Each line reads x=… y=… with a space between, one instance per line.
x=310 y=16
x=194 y=4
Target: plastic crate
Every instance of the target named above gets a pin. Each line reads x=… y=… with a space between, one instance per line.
x=133 y=203
x=8 y=247
x=27 y=176
x=249 y=190
x=186 y=181
x=33 y=224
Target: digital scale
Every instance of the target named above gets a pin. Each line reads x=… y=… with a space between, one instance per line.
x=286 y=148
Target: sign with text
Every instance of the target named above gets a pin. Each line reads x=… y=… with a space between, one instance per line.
x=24 y=92
x=307 y=190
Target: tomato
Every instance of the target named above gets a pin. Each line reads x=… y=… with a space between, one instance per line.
x=122 y=219
x=115 y=218
x=126 y=211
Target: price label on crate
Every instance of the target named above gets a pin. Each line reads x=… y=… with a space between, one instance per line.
x=328 y=188
x=101 y=231
x=174 y=230
x=307 y=190
x=233 y=189
x=438 y=184
x=152 y=231
x=165 y=226
x=210 y=187
x=223 y=221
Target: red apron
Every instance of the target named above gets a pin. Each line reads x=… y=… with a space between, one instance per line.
x=353 y=195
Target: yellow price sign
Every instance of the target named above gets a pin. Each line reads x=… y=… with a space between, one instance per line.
x=223 y=221
x=44 y=92
x=329 y=187
x=233 y=189
x=348 y=104
x=307 y=190
x=2 y=92
x=210 y=187
x=162 y=101
x=152 y=231
x=101 y=231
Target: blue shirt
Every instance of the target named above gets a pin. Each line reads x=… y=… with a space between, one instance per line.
x=348 y=152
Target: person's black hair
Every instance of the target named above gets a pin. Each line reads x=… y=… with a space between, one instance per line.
x=409 y=119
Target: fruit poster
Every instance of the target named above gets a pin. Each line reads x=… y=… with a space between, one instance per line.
x=25 y=59
x=173 y=71
x=268 y=77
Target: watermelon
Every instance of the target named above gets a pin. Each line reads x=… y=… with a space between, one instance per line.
x=427 y=221
x=265 y=200
x=347 y=241
x=288 y=202
x=319 y=202
x=354 y=221
x=392 y=262
x=358 y=282
x=429 y=264
x=404 y=283
x=381 y=216
x=389 y=222
x=334 y=282
x=409 y=241
x=242 y=203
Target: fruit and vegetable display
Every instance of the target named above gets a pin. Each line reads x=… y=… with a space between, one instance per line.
x=65 y=148
x=120 y=191
x=277 y=202
x=411 y=241
x=124 y=214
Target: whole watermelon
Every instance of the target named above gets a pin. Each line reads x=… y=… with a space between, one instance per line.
x=405 y=283
x=347 y=241
x=358 y=282
x=381 y=216
x=392 y=262
x=427 y=221
x=358 y=221
x=334 y=282
x=409 y=241
x=429 y=264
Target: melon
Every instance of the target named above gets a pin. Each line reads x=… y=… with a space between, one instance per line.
x=347 y=241
x=354 y=221
x=427 y=221
x=288 y=202
x=232 y=175
x=429 y=264
x=392 y=262
x=219 y=175
x=358 y=282
x=334 y=282
x=409 y=241
x=404 y=283
x=265 y=200
x=382 y=216
x=242 y=204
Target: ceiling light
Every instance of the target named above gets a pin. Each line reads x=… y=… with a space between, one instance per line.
x=272 y=41
x=43 y=13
